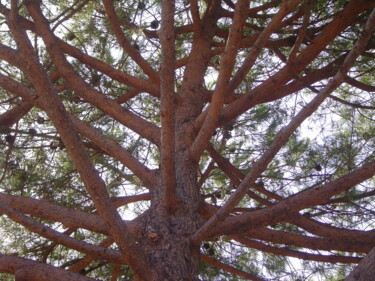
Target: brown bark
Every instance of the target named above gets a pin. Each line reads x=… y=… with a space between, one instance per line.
x=9 y=118
x=365 y=270
x=27 y=270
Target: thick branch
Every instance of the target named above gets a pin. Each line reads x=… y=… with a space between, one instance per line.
x=287 y=210
x=313 y=243
x=89 y=93
x=49 y=211
x=296 y=254
x=365 y=270
x=13 y=115
x=25 y=269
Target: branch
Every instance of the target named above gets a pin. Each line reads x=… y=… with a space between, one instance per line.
x=99 y=65
x=296 y=254
x=313 y=243
x=195 y=15
x=124 y=43
x=105 y=143
x=88 y=259
x=116 y=151
x=241 y=73
x=58 y=115
x=124 y=200
x=49 y=211
x=9 y=118
x=236 y=175
x=302 y=30
x=89 y=93
x=365 y=270
x=282 y=137
x=355 y=105
x=270 y=86
x=362 y=86
x=226 y=67
x=288 y=209
x=72 y=12
x=329 y=231
x=47 y=232
x=25 y=269
x=229 y=268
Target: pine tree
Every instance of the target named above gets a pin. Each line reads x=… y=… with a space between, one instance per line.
x=187 y=140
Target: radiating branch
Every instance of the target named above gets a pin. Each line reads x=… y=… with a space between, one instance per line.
x=56 y=236
x=230 y=269
x=30 y=270
x=283 y=136
x=241 y=73
x=125 y=44
x=226 y=67
x=269 y=87
x=106 y=144
x=58 y=115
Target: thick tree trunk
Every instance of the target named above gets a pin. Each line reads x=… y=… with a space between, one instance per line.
x=166 y=235
x=169 y=252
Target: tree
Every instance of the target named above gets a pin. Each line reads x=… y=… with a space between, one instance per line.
x=187 y=140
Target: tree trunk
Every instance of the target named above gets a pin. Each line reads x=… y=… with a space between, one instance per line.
x=165 y=237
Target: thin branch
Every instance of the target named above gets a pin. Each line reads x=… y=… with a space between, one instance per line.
x=302 y=30
x=355 y=105
x=88 y=259
x=125 y=44
x=229 y=268
x=70 y=12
